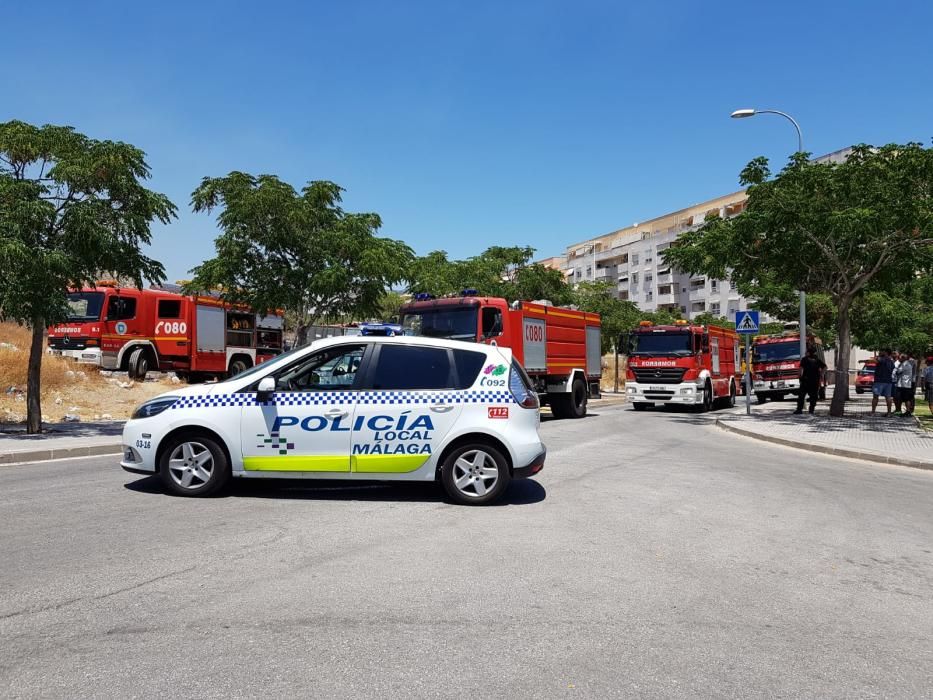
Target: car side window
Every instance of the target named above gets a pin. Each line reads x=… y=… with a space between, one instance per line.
x=411 y=367
x=332 y=369
x=492 y=322
x=468 y=364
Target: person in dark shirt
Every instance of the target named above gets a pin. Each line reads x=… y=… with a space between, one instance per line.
x=811 y=376
x=884 y=381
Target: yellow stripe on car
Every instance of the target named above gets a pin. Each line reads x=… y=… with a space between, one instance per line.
x=297 y=463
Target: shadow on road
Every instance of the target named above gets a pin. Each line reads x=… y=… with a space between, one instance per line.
x=521 y=492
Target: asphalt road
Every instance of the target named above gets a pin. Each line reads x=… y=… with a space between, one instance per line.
x=654 y=556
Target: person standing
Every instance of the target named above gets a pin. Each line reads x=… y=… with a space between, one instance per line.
x=928 y=383
x=895 y=375
x=883 y=384
x=811 y=376
x=905 y=385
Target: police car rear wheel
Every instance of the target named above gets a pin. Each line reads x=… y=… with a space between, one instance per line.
x=193 y=465
x=475 y=474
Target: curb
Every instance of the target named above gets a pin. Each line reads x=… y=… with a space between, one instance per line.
x=863 y=455
x=47 y=454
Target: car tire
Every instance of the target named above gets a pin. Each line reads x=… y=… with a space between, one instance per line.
x=475 y=474
x=193 y=464
x=859 y=390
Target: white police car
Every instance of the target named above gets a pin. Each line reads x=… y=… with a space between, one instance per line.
x=395 y=409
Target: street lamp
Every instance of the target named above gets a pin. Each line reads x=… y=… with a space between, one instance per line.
x=743 y=114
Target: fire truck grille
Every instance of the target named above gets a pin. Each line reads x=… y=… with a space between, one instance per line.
x=659 y=375
x=68 y=343
x=780 y=374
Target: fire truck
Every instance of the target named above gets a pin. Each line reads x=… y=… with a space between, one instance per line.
x=682 y=364
x=776 y=365
x=133 y=330
x=558 y=347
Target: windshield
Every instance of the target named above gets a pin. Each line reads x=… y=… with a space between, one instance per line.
x=776 y=352
x=85 y=306
x=867 y=371
x=661 y=343
x=460 y=323
x=264 y=367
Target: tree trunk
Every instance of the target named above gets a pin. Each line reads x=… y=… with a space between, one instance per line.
x=33 y=380
x=843 y=349
x=301 y=335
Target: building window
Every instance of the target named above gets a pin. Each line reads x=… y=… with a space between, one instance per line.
x=665 y=289
x=732 y=286
x=589 y=271
x=634 y=278
x=634 y=258
x=714 y=286
x=577 y=273
x=697 y=284
x=714 y=308
x=623 y=295
x=649 y=295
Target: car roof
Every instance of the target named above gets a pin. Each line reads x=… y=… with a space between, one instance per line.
x=407 y=340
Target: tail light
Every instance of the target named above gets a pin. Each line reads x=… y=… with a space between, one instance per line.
x=521 y=388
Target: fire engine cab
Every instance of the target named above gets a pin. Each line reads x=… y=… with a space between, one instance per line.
x=682 y=364
x=558 y=347
x=776 y=365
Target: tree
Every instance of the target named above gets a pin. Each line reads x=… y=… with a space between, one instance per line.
x=390 y=305
x=299 y=251
x=839 y=229
x=617 y=316
x=71 y=207
x=498 y=272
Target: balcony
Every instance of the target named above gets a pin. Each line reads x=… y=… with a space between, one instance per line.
x=697 y=293
x=605 y=274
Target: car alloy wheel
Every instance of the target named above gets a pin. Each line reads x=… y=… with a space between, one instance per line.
x=191 y=465
x=475 y=473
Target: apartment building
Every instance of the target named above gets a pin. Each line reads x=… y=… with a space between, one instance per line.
x=630 y=259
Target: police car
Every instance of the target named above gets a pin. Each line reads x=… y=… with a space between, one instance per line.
x=383 y=408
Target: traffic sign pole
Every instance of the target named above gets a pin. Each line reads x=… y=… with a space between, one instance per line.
x=748 y=376
x=746 y=323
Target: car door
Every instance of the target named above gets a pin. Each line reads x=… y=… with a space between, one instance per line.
x=306 y=426
x=407 y=405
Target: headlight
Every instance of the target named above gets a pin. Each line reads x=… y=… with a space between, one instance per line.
x=154 y=407
x=687 y=390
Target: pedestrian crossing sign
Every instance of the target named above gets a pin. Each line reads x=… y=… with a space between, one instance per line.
x=746 y=322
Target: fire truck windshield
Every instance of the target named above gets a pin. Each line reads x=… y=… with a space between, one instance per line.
x=662 y=343
x=776 y=352
x=85 y=306
x=456 y=323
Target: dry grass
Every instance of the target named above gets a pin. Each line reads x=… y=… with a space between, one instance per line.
x=67 y=387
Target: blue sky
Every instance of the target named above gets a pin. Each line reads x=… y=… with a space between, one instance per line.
x=469 y=124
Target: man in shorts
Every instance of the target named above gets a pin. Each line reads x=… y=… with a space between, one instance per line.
x=904 y=385
x=884 y=381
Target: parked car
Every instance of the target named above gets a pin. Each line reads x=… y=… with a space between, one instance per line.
x=865 y=377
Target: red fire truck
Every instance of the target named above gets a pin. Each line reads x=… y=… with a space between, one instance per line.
x=776 y=365
x=160 y=329
x=682 y=364
x=558 y=347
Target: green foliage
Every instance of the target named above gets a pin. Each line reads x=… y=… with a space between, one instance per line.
x=390 y=304
x=299 y=251
x=617 y=316
x=71 y=208
x=834 y=229
x=498 y=272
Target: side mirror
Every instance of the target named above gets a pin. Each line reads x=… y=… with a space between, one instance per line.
x=265 y=389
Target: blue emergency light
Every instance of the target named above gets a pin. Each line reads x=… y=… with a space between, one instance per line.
x=468 y=293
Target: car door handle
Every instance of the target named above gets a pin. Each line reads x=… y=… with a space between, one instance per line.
x=442 y=407
x=336 y=413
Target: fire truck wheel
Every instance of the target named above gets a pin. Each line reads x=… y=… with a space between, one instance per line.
x=578 y=396
x=193 y=465
x=139 y=364
x=238 y=366
x=707 y=404
x=760 y=398
x=475 y=474
x=731 y=395
x=642 y=406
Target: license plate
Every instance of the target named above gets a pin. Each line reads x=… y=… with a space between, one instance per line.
x=656 y=388
x=780 y=385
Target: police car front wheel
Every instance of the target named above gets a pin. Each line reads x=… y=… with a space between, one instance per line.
x=476 y=474
x=193 y=465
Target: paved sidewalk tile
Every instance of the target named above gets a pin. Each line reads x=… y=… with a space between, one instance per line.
x=59 y=440
x=896 y=439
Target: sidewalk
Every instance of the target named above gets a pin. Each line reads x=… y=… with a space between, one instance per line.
x=61 y=441
x=858 y=434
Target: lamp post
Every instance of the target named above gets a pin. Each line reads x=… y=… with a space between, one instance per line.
x=743 y=114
